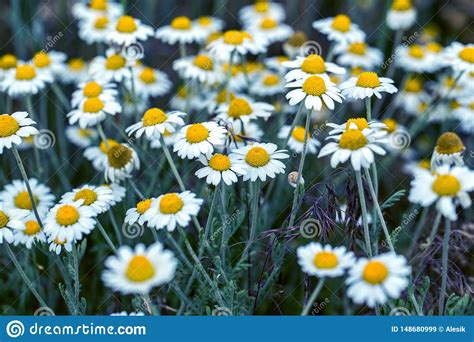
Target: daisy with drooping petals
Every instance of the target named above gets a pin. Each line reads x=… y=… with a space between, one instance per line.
x=198 y=68
x=367 y=85
x=69 y=221
x=173 y=209
x=11 y=219
x=122 y=160
x=268 y=84
x=136 y=214
x=96 y=8
x=57 y=246
x=113 y=67
x=296 y=141
x=374 y=281
x=98 y=154
x=447 y=186
x=220 y=167
x=261 y=160
x=401 y=15
x=449 y=150
x=30 y=234
x=460 y=57
x=93 y=111
x=128 y=30
x=314 y=91
x=358 y=54
x=81 y=137
x=270 y=29
x=14 y=128
x=98 y=198
x=311 y=65
x=155 y=122
x=260 y=10
x=76 y=71
x=94 y=29
x=139 y=270
x=199 y=138
x=24 y=80
x=324 y=261
x=243 y=109
x=181 y=30
x=149 y=82
x=340 y=29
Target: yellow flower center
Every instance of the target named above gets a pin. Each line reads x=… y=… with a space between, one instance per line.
x=268 y=23
x=341 y=23
x=233 y=37
x=416 y=51
x=92 y=89
x=446 y=185
x=467 y=54
x=453 y=104
x=85 y=133
x=25 y=72
x=434 y=47
x=391 y=125
x=67 y=215
x=297 y=39
x=368 y=80
x=361 y=123
x=119 y=156
x=299 y=133
x=181 y=23
x=262 y=7
x=449 y=143
x=8 y=125
x=425 y=164
x=449 y=81
x=101 y=23
x=313 y=64
x=314 y=85
x=126 y=24
x=358 y=48
x=76 y=64
x=22 y=201
x=204 y=21
x=222 y=96
x=140 y=269
x=147 y=75
x=271 y=80
x=325 y=260
x=32 y=228
x=257 y=157
x=4 y=219
x=93 y=105
x=41 y=60
x=375 y=272
x=154 y=116
x=197 y=133
x=282 y=59
x=99 y=5
x=203 y=62
x=219 y=162
x=89 y=196
x=352 y=139
x=413 y=86
x=182 y=92
x=115 y=62
x=8 y=61
x=239 y=107
x=103 y=146
x=401 y=5
x=171 y=203
x=143 y=206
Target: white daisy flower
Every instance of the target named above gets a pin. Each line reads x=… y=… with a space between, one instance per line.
x=465 y=114
x=69 y=221
x=360 y=124
x=367 y=85
x=136 y=214
x=104 y=90
x=260 y=10
x=168 y=137
x=236 y=42
x=412 y=96
x=245 y=133
x=401 y=15
x=95 y=29
x=57 y=246
x=98 y=154
x=181 y=30
x=199 y=138
x=374 y=281
x=125 y=313
x=113 y=67
x=460 y=57
x=173 y=209
x=220 y=167
x=98 y=198
x=183 y=100
x=450 y=89
x=261 y=160
x=449 y=150
x=24 y=80
x=7 y=62
x=139 y=270
x=358 y=54
x=128 y=30
x=76 y=71
x=447 y=186
x=314 y=91
x=243 y=109
x=51 y=62
x=209 y=24
x=30 y=234
x=149 y=82
x=198 y=68
x=96 y=8
x=14 y=128
x=294 y=46
x=268 y=84
x=93 y=111
x=414 y=59
x=270 y=29
x=340 y=29
x=276 y=63
x=81 y=137
x=324 y=261
x=11 y=219
x=15 y=195
x=122 y=160
x=311 y=65
x=296 y=141
x=118 y=192
x=155 y=122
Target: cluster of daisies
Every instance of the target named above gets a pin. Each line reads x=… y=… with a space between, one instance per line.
x=219 y=118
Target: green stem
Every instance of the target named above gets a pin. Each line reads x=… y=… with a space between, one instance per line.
x=29 y=106
x=444 y=263
x=313 y=297
x=294 y=123
x=363 y=205
x=418 y=230
x=434 y=230
x=106 y=237
x=172 y=164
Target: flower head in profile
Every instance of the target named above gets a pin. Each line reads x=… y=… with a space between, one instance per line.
x=181 y=30
x=366 y=85
x=401 y=15
x=260 y=10
x=14 y=128
x=324 y=261
x=121 y=161
x=270 y=29
x=449 y=150
x=11 y=219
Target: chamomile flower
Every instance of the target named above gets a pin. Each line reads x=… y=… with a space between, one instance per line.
x=311 y=65
x=149 y=82
x=95 y=29
x=98 y=198
x=199 y=138
x=358 y=145
x=75 y=71
x=296 y=141
x=7 y=62
x=182 y=31
x=465 y=114
x=401 y=15
x=93 y=111
x=412 y=96
x=173 y=209
x=358 y=123
x=447 y=186
x=270 y=29
x=314 y=91
x=295 y=45
x=198 y=68
x=128 y=30
x=81 y=137
x=69 y=221
x=414 y=59
x=374 y=281
x=220 y=167
x=139 y=270
x=268 y=84
x=24 y=80
x=104 y=90
x=324 y=261
x=261 y=160
x=118 y=192
x=11 y=219
x=209 y=24
x=122 y=160
x=16 y=196
x=260 y=10
x=155 y=122
x=276 y=63
x=449 y=150
x=243 y=134
x=14 y=128
x=398 y=136
x=460 y=57
x=51 y=62
x=366 y=85
x=243 y=109
x=450 y=89
x=168 y=137
x=30 y=234
x=57 y=246
x=340 y=29
x=96 y=8
x=113 y=67
x=137 y=213
x=236 y=42
x=98 y=154
x=358 y=54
